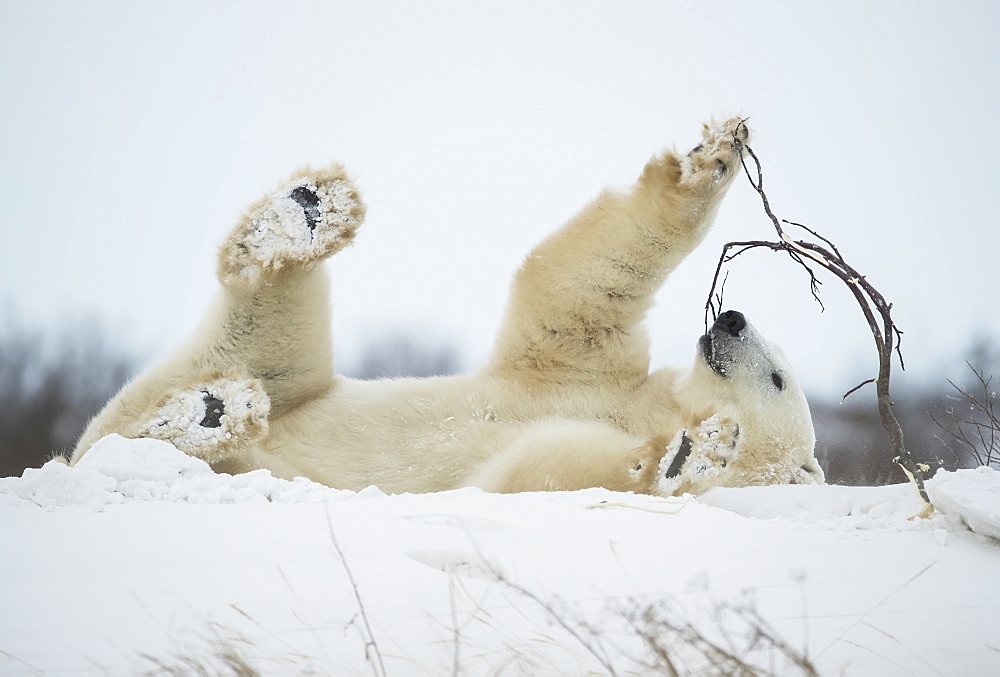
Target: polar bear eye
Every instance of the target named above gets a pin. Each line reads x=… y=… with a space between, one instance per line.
x=778 y=382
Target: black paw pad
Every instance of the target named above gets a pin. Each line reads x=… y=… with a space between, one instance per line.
x=682 y=455
x=309 y=202
x=214 y=409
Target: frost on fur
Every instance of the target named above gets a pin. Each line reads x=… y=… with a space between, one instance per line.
x=211 y=419
x=313 y=216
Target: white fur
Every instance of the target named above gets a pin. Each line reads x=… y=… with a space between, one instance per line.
x=565 y=402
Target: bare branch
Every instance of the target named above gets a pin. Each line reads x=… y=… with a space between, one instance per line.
x=876 y=310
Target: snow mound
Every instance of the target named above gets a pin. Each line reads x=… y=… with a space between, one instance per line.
x=974 y=495
x=118 y=470
x=826 y=505
x=963 y=499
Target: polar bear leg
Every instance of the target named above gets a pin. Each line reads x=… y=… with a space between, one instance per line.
x=274 y=318
x=578 y=299
x=271 y=323
x=564 y=455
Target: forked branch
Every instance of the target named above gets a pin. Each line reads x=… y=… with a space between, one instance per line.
x=877 y=311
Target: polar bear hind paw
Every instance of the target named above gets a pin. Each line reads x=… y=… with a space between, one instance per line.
x=714 y=160
x=308 y=219
x=212 y=419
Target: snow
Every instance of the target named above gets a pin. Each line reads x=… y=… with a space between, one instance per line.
x=140 y=558
x=117 y=470
x=973 y=494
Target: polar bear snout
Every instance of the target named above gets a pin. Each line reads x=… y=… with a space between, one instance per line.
x=731 y=321
x=714 y=346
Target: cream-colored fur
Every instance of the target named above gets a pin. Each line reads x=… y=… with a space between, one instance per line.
x=565 y=402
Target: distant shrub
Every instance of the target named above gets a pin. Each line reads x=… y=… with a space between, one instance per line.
x=971 y=427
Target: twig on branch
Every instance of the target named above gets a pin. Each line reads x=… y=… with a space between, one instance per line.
x=877 y=311
x=715 y=305
x=857 y=388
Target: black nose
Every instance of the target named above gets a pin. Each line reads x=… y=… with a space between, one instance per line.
x=731 y=321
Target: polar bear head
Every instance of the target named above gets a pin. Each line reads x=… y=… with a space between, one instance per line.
x=742 y=376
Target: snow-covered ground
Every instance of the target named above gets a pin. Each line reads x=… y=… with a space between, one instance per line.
x=141 y=559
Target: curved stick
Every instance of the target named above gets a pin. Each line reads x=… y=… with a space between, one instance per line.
x=877 y=311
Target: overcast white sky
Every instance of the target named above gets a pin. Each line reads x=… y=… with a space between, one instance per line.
x=132 y=135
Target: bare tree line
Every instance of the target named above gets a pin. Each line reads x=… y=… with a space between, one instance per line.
x=53 y=382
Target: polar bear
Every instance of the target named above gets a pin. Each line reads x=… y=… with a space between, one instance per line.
x=566 y=401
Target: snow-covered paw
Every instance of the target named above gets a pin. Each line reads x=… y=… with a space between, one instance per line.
x=212 y=419
x=714 y=161
x=699 y=458
x=311 y=217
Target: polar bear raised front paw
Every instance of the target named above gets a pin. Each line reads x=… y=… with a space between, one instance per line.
x=715 y=159
x=699 y=458
x=212 y=419
x=311 y=217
